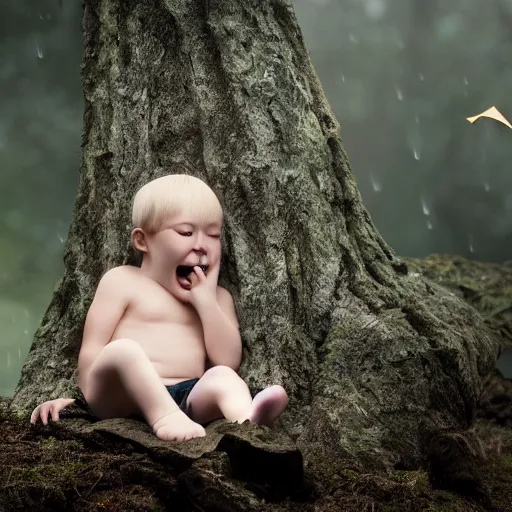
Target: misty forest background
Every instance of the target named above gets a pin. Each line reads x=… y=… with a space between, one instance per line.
x=401 y=76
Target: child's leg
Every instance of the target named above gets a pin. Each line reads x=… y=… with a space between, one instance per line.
x=222 y=393
x=122 y=382
x=219 y=393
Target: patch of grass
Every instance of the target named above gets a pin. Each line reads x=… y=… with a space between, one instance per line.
x=57 y=474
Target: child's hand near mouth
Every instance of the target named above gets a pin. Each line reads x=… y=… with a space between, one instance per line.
x=203 y=287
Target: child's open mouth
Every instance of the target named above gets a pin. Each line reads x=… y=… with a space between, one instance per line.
x=182 y=273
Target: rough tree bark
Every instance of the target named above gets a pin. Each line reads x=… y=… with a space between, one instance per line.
x=374 y=357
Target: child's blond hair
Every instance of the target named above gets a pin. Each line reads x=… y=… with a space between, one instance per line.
x=174 y=194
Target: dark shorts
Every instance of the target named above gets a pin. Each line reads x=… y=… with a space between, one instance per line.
x=180 y=392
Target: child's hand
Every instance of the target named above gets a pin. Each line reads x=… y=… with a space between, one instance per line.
x=53 y=406
x=203 y=287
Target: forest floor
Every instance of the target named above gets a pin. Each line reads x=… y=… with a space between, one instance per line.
x=55 y=467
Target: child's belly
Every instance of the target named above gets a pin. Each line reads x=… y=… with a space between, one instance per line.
x=176 y=351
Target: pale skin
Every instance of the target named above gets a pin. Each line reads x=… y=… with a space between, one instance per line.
x=145 y=330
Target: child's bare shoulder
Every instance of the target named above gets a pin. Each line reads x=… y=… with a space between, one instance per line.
x=120 y=272
x=119 y=277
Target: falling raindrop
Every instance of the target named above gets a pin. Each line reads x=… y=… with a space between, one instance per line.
x=25 y=331
x=377 y=187
x=487 y=187
x=471 y=246
x=399 y=94
x=414 y=141
x=19 y=353
x=422 y=76
x=429 y=224
x=353 y=38
x=424 y=207
x=39 y=51
x=60 y=238
x=466 y=83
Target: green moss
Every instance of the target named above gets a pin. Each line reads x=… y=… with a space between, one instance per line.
x=57 y=474
x=139 y=499
x=350 y=474
x=48 y=442
x=417 y=480
x=53 y=443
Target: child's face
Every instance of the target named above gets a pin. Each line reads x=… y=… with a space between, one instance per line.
x=184 y=241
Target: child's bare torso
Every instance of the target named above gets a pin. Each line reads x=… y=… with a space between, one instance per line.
x=168 y=330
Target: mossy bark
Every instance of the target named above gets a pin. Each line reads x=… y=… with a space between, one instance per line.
x=374 y=358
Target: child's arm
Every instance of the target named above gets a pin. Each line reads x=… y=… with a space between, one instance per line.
x=107 y=309
x=221 y=334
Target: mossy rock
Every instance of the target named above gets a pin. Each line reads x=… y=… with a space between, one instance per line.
x=485 y=286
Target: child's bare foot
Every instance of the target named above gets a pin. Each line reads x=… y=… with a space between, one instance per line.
x=177 y=426
x=267 y=405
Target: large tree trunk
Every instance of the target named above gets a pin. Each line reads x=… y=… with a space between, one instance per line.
x=374 y=358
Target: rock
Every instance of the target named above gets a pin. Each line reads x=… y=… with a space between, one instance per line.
x=210 y=488
x=266 y=460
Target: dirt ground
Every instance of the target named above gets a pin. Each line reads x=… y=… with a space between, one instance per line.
x=53 y=468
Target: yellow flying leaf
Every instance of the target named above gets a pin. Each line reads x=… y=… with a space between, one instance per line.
x=492 y=113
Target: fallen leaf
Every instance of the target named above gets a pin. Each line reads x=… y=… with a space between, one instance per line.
x=492 y=113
